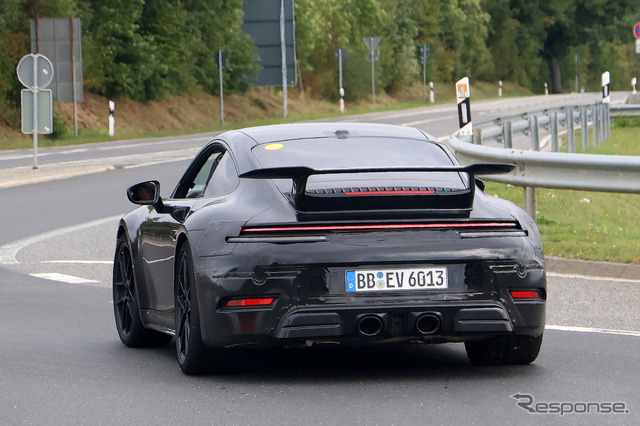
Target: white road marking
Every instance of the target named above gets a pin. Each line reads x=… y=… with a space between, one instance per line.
x=84 y=262
x=593 y=330
x=8 y=252
x=63 y=278
x=590 y=278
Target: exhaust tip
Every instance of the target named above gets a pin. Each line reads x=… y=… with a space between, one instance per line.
x=370 y=325
x=427 y=323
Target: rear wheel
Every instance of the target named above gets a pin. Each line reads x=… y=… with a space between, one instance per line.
x=512 y=350
x=125 y=302
x=192 y=353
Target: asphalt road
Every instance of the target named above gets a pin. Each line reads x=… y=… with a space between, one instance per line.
x=62 y=362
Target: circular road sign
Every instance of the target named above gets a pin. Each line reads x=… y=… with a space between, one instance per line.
x=636 y=30
x=38 y=77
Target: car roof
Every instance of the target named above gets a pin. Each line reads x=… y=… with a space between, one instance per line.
x=241 y=141
x=283 y=132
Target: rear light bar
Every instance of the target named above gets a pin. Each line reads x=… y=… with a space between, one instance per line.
x=390 y=193
x=526 y=294
x=259 y=301
x=390 y=226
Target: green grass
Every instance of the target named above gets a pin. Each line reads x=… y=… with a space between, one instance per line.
x=594 y=226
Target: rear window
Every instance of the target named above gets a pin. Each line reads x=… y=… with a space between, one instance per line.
x=361 y=153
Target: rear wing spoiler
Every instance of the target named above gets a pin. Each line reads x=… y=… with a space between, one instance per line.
x=300 y=175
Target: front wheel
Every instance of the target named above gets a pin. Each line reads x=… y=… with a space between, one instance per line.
x=125 y=302
x=510 y=350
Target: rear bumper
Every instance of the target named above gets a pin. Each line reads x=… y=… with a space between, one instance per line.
x=446 y=317
x=311 y=301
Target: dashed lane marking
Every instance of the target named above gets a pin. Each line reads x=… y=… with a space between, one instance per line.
x=53 y=276
x=80 y=262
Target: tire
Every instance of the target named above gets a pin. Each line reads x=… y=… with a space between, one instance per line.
x=125 y=302
x=515 y=350
x=191 y=351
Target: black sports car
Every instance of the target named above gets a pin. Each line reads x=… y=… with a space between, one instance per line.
x=343 y=233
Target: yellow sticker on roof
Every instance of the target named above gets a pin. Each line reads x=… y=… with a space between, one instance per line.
x=273 y=146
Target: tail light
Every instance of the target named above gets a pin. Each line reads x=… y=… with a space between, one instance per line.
x=526 y=294
x=256 y=301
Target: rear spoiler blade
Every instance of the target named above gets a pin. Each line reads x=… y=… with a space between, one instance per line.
x=297 y=173
x=300 y=175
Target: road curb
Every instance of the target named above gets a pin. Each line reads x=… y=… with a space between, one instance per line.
x=18 y=176
x=593 y=269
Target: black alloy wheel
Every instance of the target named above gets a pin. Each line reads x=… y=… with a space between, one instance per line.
x=125 y=303
x=192 y=353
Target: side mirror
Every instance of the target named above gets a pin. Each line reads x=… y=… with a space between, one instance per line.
x=145 y=193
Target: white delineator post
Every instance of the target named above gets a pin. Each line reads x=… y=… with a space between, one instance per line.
x=634 y=81
x=606 y=80
x=112 y=119
x=546 y=89
x=463 y=95
x=500 y=88
x=432 y=93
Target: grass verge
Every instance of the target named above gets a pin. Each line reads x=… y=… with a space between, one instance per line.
x=595 y=226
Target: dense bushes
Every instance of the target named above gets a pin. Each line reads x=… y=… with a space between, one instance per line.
x=146 y=49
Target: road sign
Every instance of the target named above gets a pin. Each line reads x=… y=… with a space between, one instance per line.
x=463 y=94
x=340 y=54
x=372 y=56
x=221 y=59
x=35 y=76
x=372 y=43
x=426 y=49
x=636 y=30
x=44 y=114
x=262 y=22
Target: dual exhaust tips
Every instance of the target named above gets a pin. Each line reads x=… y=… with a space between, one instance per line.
x=372 y=325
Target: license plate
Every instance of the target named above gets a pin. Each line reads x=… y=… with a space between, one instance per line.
x=397 y=279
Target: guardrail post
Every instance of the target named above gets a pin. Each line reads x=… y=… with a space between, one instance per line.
x=571 y=136
x=607 y=116
x=477 y=136
x=596 y=126
x=530 y=204
x=507 y=134
x=603 y=124
x=585 y=128
x=535 y=139
x=553 y=127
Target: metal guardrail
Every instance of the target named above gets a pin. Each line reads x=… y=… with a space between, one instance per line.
x=585 y=172
x=596 y=117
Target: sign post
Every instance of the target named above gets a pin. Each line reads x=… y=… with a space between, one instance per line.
x=425 y=60
x=606 y=80
x=373 y=56
x=35 y=72
x=463 y=97
x=340 y=55
x=221 y=63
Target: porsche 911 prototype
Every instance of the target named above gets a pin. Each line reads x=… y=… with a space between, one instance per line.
x=338 y=233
